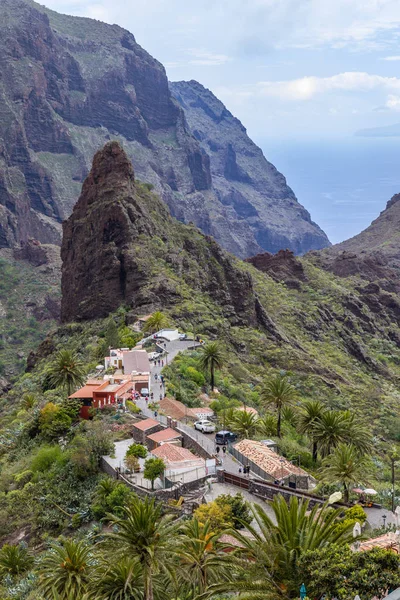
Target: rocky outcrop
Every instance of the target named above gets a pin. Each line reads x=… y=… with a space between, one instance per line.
x=258 y=203
x=373 y=254
x=68 y=85
x=121 y=246
x=283 y=266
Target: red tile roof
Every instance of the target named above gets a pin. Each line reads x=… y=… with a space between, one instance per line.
x=172 y=453
x=272 y=463
x=387 y=541
x=164 y=435
x=146 y=424
x=85 y=392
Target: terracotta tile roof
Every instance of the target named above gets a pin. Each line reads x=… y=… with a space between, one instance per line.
x=272 y=463
x=177 y=410
x=203 y=410
x=173 y=408
x=388 y=541
x=85 y=392
x=146 y=424
x=172 y=453
x=164 y=435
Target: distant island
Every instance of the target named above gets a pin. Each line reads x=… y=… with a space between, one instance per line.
x=387 y=131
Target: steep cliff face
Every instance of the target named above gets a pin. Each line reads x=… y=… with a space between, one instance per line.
x=373 y=254
x=259 y=205
x=68 y=85
x=121 y=246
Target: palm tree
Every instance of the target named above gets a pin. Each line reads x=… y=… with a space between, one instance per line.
x=267 y=425
x=312 y=412
x=274 y=550
x=344 y=466
x=212 y=357
x=244 y=423
x=157 y=321
x=118 y=580
x=28 y=401
x=66 y=371
x=335 y=427
x=278 y=392
x=329 y=431
x=202 y=561
x=145 y=533
x=65 y=570
x=14 y=560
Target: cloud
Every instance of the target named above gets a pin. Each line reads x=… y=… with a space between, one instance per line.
x=306 y=88
x=392 y=58
x=393 y=102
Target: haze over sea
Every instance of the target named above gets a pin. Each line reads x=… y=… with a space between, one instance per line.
x=344 y=183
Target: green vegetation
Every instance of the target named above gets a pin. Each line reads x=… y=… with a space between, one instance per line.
x=153 y=468
x=280 y=393
x=212 y=358
x=156 y=322
x=137 y=450
x=66 y=371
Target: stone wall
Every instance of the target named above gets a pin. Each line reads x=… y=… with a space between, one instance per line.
x=140 y=436
x=191 y=444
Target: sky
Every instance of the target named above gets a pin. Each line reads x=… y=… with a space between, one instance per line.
x=285 y=68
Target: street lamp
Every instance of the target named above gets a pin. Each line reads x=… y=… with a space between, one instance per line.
x=384 y=521
x=303 y=591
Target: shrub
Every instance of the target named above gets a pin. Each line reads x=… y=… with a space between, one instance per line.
x=14 y=560
x=45 y=458
x=218 y=514
x=137 y=450
x=240 y=509
x=132 y=407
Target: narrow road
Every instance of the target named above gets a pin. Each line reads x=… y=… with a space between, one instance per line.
x=206 y=441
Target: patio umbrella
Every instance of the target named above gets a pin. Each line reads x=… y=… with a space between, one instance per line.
x=358 y=491
x=370 y=492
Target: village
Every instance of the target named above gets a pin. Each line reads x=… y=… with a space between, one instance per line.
x=197 y=462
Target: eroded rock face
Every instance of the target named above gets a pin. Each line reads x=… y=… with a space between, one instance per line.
x=257 y=202
x=282 y=266
x=69 y=85
x=373 y=254
x=121 y=246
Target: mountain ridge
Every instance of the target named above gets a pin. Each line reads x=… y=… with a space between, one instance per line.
x=69 y=85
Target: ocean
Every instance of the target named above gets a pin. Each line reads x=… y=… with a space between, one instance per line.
x=343 y=183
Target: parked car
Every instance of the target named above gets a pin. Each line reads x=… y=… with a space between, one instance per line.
x=144 y=392
x=225 y=437
x=205 y=426
x=182 y=336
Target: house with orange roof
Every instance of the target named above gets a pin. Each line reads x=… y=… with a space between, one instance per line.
x=178 y=411
x=181 y=464
x=144 y=428
x=271 y=466
x=101 y=393
x=163 y=436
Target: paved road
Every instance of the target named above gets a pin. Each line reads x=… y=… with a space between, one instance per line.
x=207 y=441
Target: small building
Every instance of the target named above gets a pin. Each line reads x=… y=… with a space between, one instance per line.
x=270 y=466
x=144 y=428
x=168 y=334
x=97 y=394
x=178 y=411
x=164 y=436
x=181 y=464
x=130 y=361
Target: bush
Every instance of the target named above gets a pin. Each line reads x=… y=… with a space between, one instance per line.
x=357 y=513
x=131 y=406
x=240 y=509
x=137 y=450
x=218 y=514
x=45 y=458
